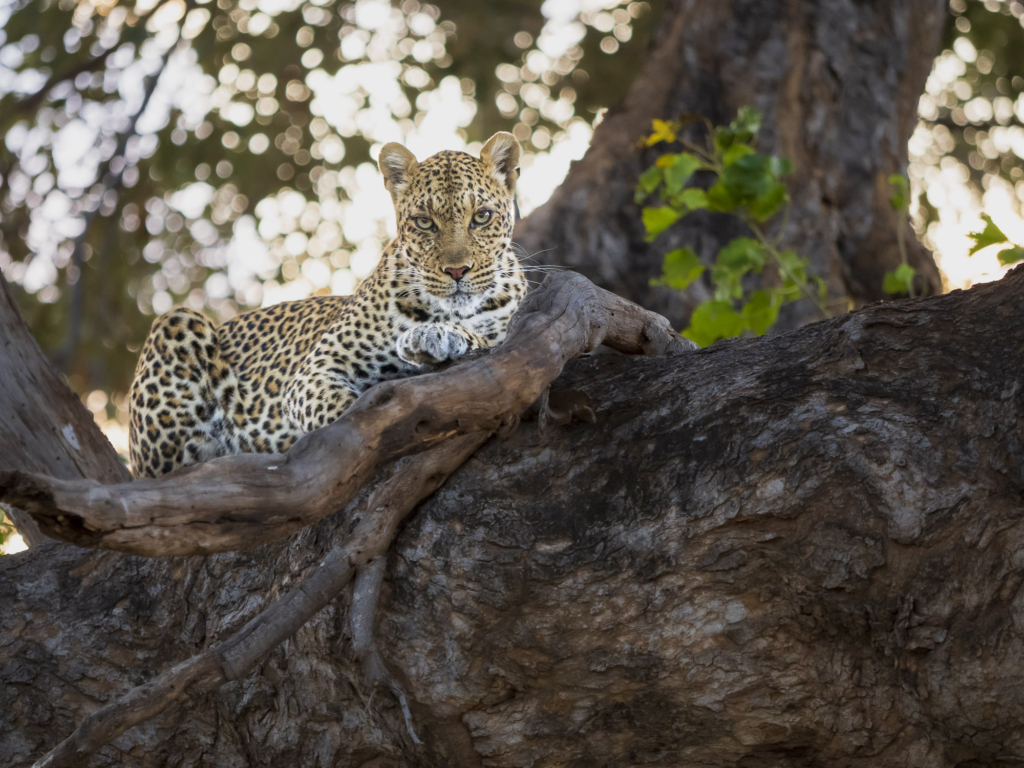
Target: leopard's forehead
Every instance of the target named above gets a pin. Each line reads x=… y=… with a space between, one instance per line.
x=449 y=184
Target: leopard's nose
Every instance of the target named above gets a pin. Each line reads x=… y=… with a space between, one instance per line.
x=457 y=273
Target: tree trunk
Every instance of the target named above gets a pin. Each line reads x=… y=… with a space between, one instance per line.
x=838 y=84
x=797 y=550
x=43 y=426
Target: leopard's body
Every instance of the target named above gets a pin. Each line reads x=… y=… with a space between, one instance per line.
x=448 y=283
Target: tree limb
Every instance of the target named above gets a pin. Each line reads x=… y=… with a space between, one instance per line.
x=244 y=500
x=415 y=478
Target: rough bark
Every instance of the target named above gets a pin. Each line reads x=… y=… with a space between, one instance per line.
x=796 y=550
x=838 y=83
x=238 y=502
x=42 y=423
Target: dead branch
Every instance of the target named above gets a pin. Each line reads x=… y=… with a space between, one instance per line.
x=245 y=500
x=415 y=478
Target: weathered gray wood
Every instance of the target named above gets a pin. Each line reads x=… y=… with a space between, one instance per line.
x=838 y=83
x=242 y=501
x=795 y=550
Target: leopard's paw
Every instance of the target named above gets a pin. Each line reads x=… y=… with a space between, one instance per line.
x=431 y=344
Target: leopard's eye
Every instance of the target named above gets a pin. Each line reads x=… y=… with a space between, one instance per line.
x=481 y=217
x=423 y=222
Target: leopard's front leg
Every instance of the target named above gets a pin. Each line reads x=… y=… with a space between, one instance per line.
x=433 y=343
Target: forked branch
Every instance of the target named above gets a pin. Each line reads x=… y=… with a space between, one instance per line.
x=242 y=501
x=414 y=479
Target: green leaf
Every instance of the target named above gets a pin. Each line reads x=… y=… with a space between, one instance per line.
x=742 y=253
x=713 y=320
x=677 y=174
x=767 y=204
x=742 y=130
x=899 y=280
x=738 y=257
x=761 y=311
x=680 y=268
x=690 y=199
x=990 y=235
x=720 y=199
x=1011 y=255
x=735 y=152
x=751 y=175
x=748 y=120
x=728 y=284
x=900 y=191
x=794 y=269
x=657 y=220
x=647 y=183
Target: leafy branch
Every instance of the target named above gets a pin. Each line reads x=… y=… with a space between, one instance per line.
x=747 y=185
x=901 y=279
x=993 y=235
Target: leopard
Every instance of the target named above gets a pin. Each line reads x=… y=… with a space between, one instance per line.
x=448 y=283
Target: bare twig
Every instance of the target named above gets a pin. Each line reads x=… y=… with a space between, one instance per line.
x=244 y=500
x=415 y=478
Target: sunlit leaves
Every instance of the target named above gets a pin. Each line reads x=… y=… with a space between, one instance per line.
x=648 y=182
x=993 y=235
x=663 y=130
x=761 y=311
x=990 y=235
x=657 y=220
x=713 y=320
x=680 y=268
x=746 y=184
x=691 y=199
x=682 y=167
x=1011 y=255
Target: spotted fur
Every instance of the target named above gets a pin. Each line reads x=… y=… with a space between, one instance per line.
x=448 y=283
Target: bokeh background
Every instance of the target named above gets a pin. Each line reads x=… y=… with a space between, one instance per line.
x=220 y=153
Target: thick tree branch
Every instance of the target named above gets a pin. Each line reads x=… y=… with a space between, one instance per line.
x=415 y=478
x=797 y=549
x=42 y=422
x=241 y=501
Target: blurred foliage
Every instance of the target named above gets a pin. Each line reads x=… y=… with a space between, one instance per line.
x=973 y=108
x=137 y=141
x=7 y=529
x=1010 y=253
x=900 y=280
x=735 y=179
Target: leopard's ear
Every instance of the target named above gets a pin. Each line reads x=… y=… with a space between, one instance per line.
x=501 y=156
x=397 y=164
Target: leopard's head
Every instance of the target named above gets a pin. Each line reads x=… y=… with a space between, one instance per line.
x=455 y=218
